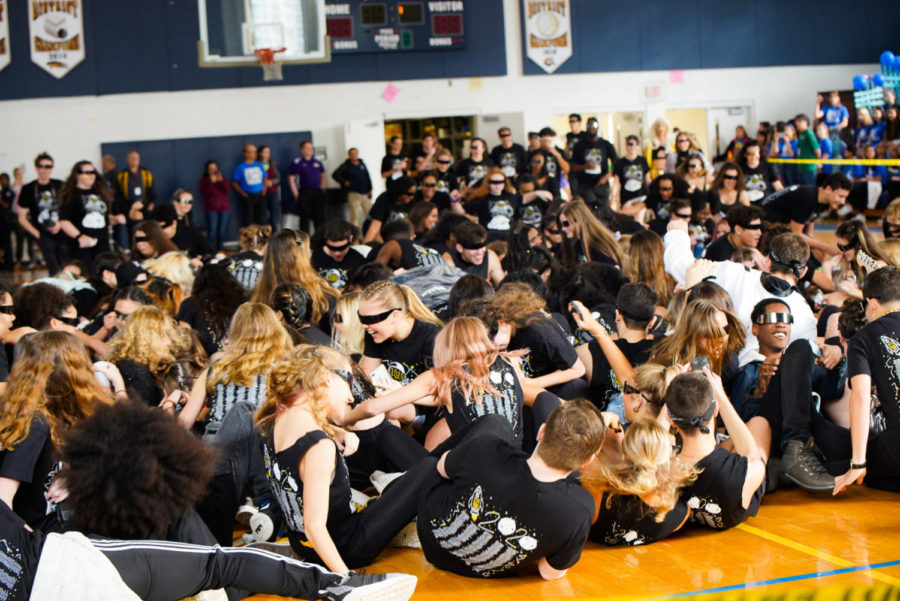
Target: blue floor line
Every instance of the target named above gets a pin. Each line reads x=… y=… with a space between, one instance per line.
x=745 y=585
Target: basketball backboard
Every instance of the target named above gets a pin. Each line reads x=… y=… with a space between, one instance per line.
x=231 y=30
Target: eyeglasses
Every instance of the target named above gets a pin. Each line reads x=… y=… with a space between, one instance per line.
x=186 y=201
x=498 y=182
x=564 y=223
x=732 y=177
x=506 y=135
x=337 y=247
x=429 y=185
x=45 y=166
x=627 y=388
x=86 y=172
x=667 y=189
x=770 y=318
x=682 y=215
x=369 y=320
x=8 y=309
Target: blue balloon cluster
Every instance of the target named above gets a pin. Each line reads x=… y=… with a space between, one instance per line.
x=861 y=82
x=887 y=59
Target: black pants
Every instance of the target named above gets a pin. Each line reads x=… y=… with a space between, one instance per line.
x=789 y=409
x=535 y=416
x=55 y=251
x=162 y=571
x=311 y=206
x=253 y=210
x=384 y=447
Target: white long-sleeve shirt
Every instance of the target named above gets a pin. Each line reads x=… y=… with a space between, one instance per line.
x=745 y=288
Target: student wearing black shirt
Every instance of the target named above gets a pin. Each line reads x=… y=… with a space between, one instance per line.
x=400 y=251
x=731 y=484
x=797 y=206
x=472 y=170
x=446 y=175
x=495 y=203
x=872 y=361
x=395 y=163
x=759 y=176
x=39 y=214
x=84 y=212
x=185 y=237
x=509 y=156
x=575 y=133
x=746 y=230
x=395 y=203
x=471 y=254
x=590 y=161
x=632 y=171
x=428 y=192
x=335 y=260
x=499 y=511
x=554 y=157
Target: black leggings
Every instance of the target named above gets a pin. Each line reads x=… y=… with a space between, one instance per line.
x=163 y=571
x=384 y=447
x=535 y=416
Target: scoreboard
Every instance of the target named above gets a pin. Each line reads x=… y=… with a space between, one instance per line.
x=364 y=26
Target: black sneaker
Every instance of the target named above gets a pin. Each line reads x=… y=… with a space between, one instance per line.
x=803 y=468
x=372 y=587
x=774 y=474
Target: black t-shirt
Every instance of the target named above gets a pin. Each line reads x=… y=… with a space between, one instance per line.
x=598 y=151
x=446 y=181
x=720 y=250
x=191 y=315
x=758 y=181
x=551 y=349
x=715 y=496
x=551 y=165
x=415 y=255
x=440 y=199
x=393 y=161
x=337 y=273
x=481 y=270
x=604 y=383
x=33 y=464
x=88 y=212
x=409 y=358
x=512 y=160
x=572 y=140
x=493 y=518
x=42 y=202
x=139 y=381
x=472 y=172
x=796 y=203
x=632 y=176
x=283 y=473
x=875 y=350
x=20 y=552
x=627 y=520
x=385 y=210
x=496 y=213
x=192 y=241
x=508 y=403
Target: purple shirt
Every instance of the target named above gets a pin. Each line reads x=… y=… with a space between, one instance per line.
x=309 y=171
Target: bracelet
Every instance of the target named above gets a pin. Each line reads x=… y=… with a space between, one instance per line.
x=858 y=466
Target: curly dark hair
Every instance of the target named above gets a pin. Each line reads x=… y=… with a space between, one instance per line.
x=36 y=304
x=131 y=470
x=217 y=294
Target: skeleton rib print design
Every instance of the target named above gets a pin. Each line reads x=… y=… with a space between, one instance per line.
x=486 y=540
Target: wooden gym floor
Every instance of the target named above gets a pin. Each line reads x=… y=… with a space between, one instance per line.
x=797 y=540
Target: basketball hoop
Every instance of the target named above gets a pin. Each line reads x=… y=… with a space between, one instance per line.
x=271 y=68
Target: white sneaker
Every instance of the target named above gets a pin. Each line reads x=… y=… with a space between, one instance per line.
x=372 y=587
x=261 y=527
x=245 y=511
x=380 y=480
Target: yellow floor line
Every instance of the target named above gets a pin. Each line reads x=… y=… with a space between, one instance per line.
x=818 y=553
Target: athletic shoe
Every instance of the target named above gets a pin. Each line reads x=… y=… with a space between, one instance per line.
x=380 y=480
x=283 y=549
x=261 y=526
x=408 y=538
x=803 y=468
x=246 y=511
x=372 y=587
x=774 y=474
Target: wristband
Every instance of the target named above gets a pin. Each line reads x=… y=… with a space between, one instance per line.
x=834 y=341
x=858 y=466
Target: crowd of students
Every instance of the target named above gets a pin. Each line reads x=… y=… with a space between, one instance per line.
x=519 y=358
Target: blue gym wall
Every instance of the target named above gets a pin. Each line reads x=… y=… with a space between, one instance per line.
x=151 y=46
x=612 y=35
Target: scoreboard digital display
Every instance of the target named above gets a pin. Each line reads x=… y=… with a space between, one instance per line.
x=364 y=26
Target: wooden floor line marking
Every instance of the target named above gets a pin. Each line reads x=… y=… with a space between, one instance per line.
x=817 y=553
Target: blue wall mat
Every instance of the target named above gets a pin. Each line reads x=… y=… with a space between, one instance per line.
x=179 y=163
x=152 y=47
x=697 y=34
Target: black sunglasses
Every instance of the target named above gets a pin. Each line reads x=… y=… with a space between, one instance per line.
x=753 y=226
x=444 y=161
x=429 y=185
x=564 y=223
x=553 y=230
x=473 y=246
x=369 y=320
x=45 y=166
x=72 y=321
x=733 y=177
x=497 y=181
x=845 y=247
x=344 y=374
x=683 y=216
x=337 y=247
x=141 y=239
x=87 y=172
x=8 y=309
x=629 y=389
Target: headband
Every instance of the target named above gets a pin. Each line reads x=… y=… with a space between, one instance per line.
x=698 y=421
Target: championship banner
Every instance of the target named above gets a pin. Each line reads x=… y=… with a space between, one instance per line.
x=4 y=34
x=548 y=32
x=56 y=34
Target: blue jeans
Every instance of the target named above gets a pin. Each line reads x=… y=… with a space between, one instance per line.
x=218 y=222
x=273 y=204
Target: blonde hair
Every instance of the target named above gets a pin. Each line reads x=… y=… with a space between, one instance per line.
x=696 y=324
x=592 y=233
x=463 y=355
x=303 y=369
x=286 y=262
x=653 y=380
x=175 y=266
x=401 y=297
x=514 y=303
x=52 y=377
x=648 y=469
x=152 y=338
x=256 y=338
x=254 y=237
x=890 y=251
x=352 y=338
